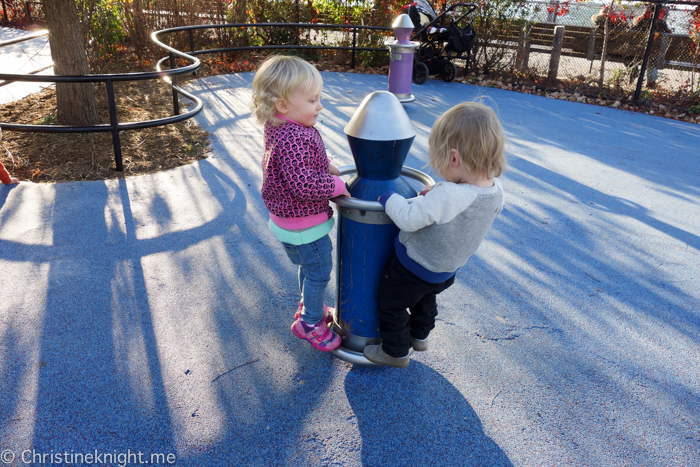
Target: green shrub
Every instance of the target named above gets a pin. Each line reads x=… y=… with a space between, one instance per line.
x=103 y=20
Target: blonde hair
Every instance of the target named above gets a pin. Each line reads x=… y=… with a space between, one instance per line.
x=278 y=78
x=473 y=129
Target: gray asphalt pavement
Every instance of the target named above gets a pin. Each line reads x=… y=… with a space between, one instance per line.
x=152 y=314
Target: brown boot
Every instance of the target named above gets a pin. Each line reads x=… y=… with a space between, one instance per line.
x=375 y=354
x=419 y=345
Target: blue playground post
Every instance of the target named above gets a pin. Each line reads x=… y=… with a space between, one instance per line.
x=380 y=135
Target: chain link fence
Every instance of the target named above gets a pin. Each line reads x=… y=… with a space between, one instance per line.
x=598 y=46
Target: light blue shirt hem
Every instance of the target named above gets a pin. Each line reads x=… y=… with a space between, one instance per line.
x=301 y=237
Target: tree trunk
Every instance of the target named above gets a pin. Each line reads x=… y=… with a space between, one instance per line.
x=76 y=101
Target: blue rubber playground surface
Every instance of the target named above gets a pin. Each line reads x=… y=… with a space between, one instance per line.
x=151 y=315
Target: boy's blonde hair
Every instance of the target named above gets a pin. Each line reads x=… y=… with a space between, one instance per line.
x=473 y=129
x=279 y=77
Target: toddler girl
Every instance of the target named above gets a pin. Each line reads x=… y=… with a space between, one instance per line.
x=439 y=231
x=298 y=181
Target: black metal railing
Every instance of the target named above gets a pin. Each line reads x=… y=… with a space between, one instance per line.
x=658 y=5
x=354 y=28
x=169 y=75
x=114 y=126
x=191 y=29
x=33 y=11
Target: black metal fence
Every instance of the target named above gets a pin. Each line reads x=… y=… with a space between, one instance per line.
x=18 y=11
x=114 y=126
x=169 y=75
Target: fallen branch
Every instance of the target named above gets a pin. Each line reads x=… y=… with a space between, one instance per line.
x=9 y=154
x=237 y=366
x=593 y=278
x=494 y=397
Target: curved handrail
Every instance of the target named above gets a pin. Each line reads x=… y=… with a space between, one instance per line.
x=376 y=206
x=114 y=126
x=168 y=75
x=353 y=27
x=299 y=25
x=90 y=78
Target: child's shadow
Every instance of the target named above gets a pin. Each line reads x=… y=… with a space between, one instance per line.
x=416 y=417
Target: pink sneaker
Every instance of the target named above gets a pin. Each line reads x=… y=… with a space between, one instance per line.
x=327 y=313
x=318 y=335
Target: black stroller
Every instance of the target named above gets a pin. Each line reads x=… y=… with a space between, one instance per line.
x=441 y=40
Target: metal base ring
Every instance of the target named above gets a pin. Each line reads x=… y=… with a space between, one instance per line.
x=350 y=356
x=356 y=358
x=351 y=349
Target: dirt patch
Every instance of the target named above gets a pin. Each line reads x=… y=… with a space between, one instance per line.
x=54 y=157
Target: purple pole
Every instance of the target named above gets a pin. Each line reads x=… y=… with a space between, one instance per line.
x=401 y=53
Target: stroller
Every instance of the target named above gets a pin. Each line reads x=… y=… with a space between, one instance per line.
x=441 y=40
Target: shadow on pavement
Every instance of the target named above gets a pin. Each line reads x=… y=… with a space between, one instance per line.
x=415 y=416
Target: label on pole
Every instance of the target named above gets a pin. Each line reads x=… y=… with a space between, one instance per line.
x=395 y=57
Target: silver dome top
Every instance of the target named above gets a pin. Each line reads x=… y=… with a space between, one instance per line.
x=380 y=117
x=402 y=21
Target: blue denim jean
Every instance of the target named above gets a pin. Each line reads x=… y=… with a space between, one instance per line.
x=315 y=261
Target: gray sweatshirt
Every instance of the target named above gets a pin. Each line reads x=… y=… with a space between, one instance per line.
x=442 y=229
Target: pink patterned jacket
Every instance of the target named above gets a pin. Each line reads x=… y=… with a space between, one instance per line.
x=296 y=183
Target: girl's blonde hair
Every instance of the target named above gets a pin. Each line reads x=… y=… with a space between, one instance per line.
x=278 y=78
x=473 y=129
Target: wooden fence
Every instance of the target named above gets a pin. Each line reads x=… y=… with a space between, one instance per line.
x=674 y=51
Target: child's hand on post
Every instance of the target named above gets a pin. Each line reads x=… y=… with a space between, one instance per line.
x=333 y=170
x=425 y=190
